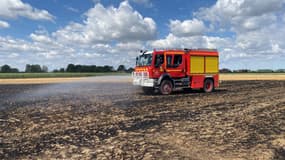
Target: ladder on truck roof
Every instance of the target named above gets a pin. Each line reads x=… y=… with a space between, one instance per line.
x=204 y=49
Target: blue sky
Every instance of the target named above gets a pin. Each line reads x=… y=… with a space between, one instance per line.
x=247 y=33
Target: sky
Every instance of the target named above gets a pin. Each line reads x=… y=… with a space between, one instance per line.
x=249 y=34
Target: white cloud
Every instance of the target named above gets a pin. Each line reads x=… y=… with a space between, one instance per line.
x=96 y=1
x=40 y=38
x=4 y=24
x=172 y=41
x=13 y=55
x=146 y=3
x=108 y=36
x=130 y=46
x=231 y=9
x=8 y=45
x=258 y=8
x=109 y=24
x=16 y=8
x=255 y=30
x=242 y=15
x=245 y=35
x=276 y=48
x=75 y=10
x=187 y=28
x=262 y=42
x=39 y=51
x=253 y=23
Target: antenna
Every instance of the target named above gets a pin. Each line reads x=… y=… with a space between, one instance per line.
x=207 y=49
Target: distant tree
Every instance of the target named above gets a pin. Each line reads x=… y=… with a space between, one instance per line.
x=108 y=68
x=36 y=68
x=44 y=68
x=5 y=68
x=87 y=68
x=61 y=70
x=130 y=70
x=265 y=70
x=77 y=68
x=225 y=70
x=28 y=68
x=93 y=68
x=280 y=70
x=70 y=68
x=121 y=68
x=14 y=70
x=242 y=71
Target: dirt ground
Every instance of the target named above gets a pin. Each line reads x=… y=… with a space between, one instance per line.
x=109 y=120
x=252 y=76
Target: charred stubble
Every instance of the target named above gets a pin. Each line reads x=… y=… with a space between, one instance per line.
x=241 y=119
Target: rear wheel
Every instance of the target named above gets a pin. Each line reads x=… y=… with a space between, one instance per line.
x=208 y=85
x=166 y=87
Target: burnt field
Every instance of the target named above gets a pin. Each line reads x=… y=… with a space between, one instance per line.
x=241 y=119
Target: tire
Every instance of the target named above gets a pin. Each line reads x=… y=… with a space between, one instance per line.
x=166 y=87
x=208 y=85
x=148 y=90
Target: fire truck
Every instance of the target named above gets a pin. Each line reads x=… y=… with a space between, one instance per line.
x=166 y=70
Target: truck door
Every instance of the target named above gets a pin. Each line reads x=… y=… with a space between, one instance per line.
x=175 y=65
x=158 y=65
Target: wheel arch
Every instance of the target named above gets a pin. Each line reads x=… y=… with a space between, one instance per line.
x=211 y=78
x=164 y=77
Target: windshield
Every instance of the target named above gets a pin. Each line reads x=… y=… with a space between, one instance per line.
x=144 y=60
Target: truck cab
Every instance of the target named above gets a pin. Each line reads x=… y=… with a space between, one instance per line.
x=166 y=70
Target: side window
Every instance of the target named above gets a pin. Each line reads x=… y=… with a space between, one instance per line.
x=159 y=58
x=169 y=60
x=177 y=60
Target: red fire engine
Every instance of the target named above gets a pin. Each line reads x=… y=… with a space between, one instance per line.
x=169 y=69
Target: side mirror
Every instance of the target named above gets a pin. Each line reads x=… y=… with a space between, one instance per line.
x=137 y=60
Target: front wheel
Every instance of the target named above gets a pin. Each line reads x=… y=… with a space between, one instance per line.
x=166 y=87
x=208 y=85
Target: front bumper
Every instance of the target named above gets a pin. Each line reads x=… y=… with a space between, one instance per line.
x=142 y=79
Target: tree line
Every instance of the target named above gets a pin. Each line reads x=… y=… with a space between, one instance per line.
x=36 y=68
x=93 y=68
x=7 y=69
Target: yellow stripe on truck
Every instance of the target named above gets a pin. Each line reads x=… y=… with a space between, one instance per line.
x=212 y=65
x=197 y=64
